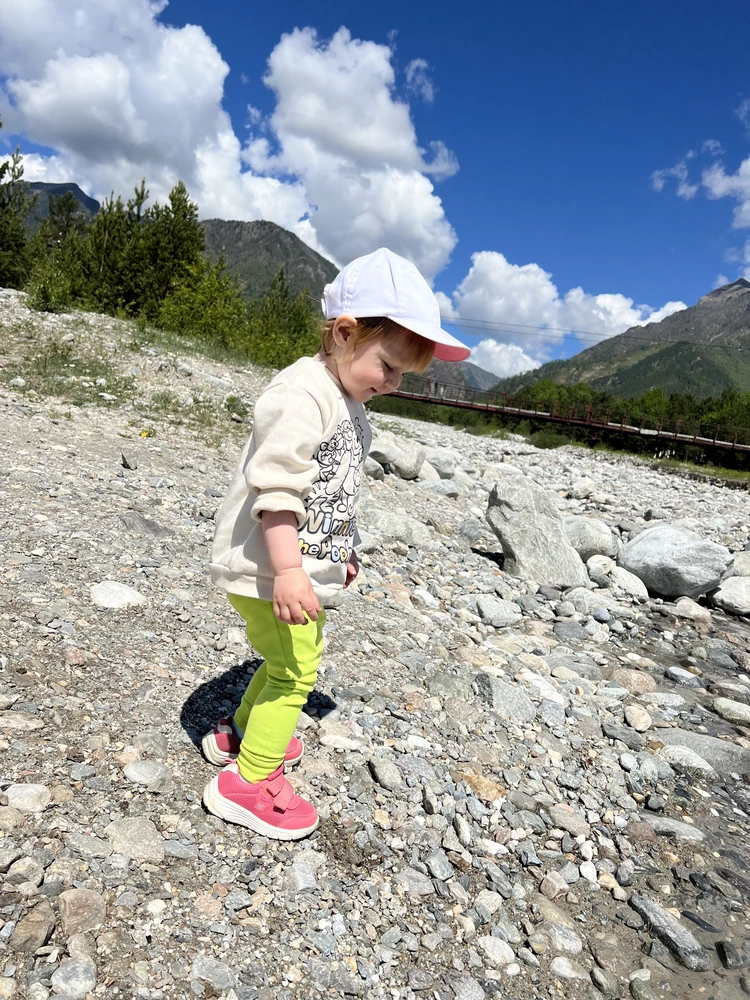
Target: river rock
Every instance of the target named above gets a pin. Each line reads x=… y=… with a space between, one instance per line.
x=638 y=718
x=733 y=711
x=740 y=564
x=385 y=772
x=443 y=460
x=687 y=760
x=528 y=523
x=75 y=978
x=589 y=536
x=723 y=756
x=672 y=933
x=622 y=579
x=136 y=837
x=151 y=773
x=410 y=457
x=497 y=951
x=507 y=700
x=111 y=594
x=399 y=526
x=208 y=970
x=34 y=929
x=404 y=455
x=497 y=612
x=567 y=819
x=688 y=608
x=442 y=487
x=733 y=595
x=81 y=910
x=668 y=827
x=565 y=969
x=28 y=798
x=634 y=681
x=428 y=473
x=675 y=562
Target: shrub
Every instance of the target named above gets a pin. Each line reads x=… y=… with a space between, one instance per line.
x=548 y=439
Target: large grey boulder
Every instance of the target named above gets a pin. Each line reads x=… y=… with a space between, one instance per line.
x=675 y=562
x=528 y=523
x=589 y=536
x=398 y=453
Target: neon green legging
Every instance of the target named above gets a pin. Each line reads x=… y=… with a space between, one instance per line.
x=271 y=705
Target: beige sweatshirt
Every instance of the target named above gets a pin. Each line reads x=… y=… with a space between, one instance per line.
x=305 y=455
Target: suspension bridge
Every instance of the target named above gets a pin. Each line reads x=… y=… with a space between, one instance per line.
x=425 y=390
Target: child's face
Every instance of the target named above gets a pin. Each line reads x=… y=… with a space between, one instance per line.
x=374 y=368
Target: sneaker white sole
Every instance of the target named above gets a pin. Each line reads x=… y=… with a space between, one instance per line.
x=220 y=806
x=214 y=755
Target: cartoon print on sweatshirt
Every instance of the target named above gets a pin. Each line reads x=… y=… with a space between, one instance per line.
x=330 y=523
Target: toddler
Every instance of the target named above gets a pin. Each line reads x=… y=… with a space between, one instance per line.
x=286 y=532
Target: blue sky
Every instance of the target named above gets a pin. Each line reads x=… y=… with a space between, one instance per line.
x=539 y=208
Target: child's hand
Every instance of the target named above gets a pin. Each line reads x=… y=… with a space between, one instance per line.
x=352 y=568
x=293 y=596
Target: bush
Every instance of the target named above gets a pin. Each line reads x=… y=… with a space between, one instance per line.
x=548 y=439
x=280 y=328
x=50 y=288
x=208 y=306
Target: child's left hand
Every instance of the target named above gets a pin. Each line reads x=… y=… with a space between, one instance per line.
x=352 y=568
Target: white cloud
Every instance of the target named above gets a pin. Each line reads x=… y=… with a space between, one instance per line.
x=719 y=184
x=340 y=129
x=502 y=359
x=524 y=301
x=679 y=172
x=721 y=279
x=496 y=291
x=713 y=147
x=117 y=94
x=418 y=80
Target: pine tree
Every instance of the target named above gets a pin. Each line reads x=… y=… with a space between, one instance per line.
x=15 y=206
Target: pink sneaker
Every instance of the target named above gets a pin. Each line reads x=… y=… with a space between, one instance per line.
x=268 y=807
x=222 y=745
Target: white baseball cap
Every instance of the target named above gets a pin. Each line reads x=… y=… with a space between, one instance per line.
x=384 y=284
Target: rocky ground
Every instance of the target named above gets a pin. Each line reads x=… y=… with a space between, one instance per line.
x=527 y=789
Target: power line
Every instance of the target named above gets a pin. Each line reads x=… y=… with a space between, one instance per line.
x=548 y=332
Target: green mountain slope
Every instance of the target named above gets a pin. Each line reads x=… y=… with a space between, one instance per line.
x=255 y=251
x=701 y=350
x=461 y=373
x=43 y=190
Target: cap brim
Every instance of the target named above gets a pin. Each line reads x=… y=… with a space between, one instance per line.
x=447 y=348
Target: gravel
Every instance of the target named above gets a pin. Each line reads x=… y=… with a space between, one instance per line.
x=474 y=742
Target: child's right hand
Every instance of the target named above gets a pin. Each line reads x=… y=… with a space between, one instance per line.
x=293 y=597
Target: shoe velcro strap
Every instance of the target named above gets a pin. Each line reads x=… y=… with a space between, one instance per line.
x=281 y=791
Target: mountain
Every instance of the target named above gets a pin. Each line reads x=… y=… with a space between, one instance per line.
x=701 y=350
x=43 y=189
x=461 y=373
x=255 y=251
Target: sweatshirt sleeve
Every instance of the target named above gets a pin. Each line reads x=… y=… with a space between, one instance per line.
x=288 y=429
